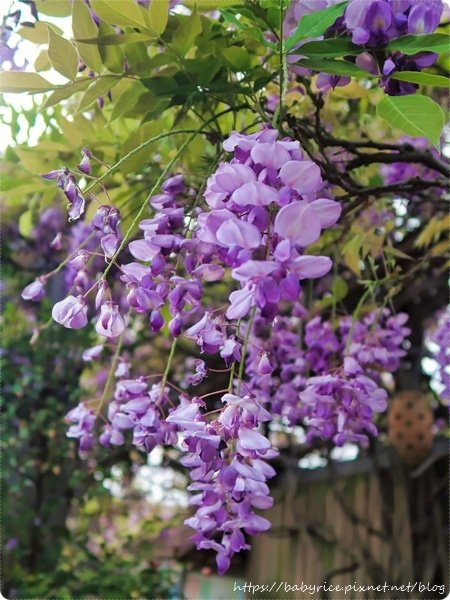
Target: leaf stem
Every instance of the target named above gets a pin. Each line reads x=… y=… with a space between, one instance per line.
x=110 y=375
x=244 y=348
x=169 y=364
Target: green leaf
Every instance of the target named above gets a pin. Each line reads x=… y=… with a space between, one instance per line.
x=415 y=115
x=84 y=27
x=37 y=32
x=237 y=57
x=116 y=39
x=158 y=15
x=335 y=47
x=26 y=223
x=209 y=4
x=339 y=289
x=253 y=32
x=422 y=78
x=112 y=56
x=127 y=99
x=66 y=91
x=335 y=67
x=125 y=13
x=410 y=44
x=62 y=55
x=61 y=8
x=157 y=106
x=97 y=88
x=19 y=81
x=315 y=24
x=274 y=4
x=186 y=32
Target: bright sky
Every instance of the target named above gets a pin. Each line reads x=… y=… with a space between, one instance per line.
x=31 y=51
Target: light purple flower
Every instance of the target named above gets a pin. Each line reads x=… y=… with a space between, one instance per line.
x=299 y=223
x=71 y=312
x=34 y=291
x=110 y=323
x=302 y=176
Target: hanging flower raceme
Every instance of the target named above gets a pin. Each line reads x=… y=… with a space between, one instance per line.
x=441 y=350
x=264 y=209
x=329 y=381
x=372 y=25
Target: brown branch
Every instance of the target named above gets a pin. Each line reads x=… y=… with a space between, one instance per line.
x=404 y=156
x=309 y=130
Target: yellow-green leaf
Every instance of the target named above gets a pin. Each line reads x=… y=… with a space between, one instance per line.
x=185 y=34
x=34 y=160
x=432 y=231
x=351 y=256
x=19 y=81
x=37 y=32
x=416 y=115
x=127 y=99
x=96 y=89
x=210 y=4
x=158 y=15
x=125 y=13
x=237 y=57
x=66 y=91
x=62 y=55
x=54 y=8
x=42 y=62
x=84 y=27
x=112 y=56
x=26 y=223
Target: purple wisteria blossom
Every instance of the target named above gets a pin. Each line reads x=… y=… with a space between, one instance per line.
x=248 y=241
x=330 y=384
x=265 y=211
x=372 y=25
x=441 y=339
x=34 y=291
x=71 y=312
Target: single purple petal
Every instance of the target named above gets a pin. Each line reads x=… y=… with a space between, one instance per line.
x=311 y=267
x=254 y=194
x=327 y=210
x=301 y=175
x=250 y=439
x=143 y=250
x=240 y=303
x=34 y=291
x=238 y=233
x=254 y=269
x=299 y=223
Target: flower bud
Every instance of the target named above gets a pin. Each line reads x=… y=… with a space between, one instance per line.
x=71 y=312
x=110 y=323
x=34 y=291
x=156 y=321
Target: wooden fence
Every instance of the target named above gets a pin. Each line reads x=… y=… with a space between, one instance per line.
x=370 y=521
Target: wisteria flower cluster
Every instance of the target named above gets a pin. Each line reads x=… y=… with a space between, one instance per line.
x=372 y=25
x=327 y=378
x=264 y=207
x=441 y=338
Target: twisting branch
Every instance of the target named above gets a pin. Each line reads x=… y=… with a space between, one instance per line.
x=317 y=141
